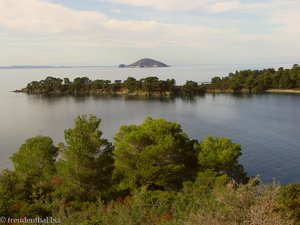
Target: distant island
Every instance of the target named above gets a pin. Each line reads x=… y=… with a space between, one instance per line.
x=144 y=63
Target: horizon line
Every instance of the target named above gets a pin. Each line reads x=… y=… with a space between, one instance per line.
x=176 y=65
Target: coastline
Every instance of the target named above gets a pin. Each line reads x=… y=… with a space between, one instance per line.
x=292 y=91
x=158 y=93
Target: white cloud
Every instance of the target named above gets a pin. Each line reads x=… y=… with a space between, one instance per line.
x=223 y=6
x=41 y=23
x=182 y=5
x=282 y=18
x=42 y=16
x=39 y=19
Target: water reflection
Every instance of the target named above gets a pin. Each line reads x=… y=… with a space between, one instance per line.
x=52 y=98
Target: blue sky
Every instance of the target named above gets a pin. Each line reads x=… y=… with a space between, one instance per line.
x=177 y=32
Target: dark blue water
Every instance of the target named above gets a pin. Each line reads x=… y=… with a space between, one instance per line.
x=267 y=126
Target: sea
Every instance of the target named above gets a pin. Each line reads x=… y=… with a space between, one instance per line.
x=267 y=126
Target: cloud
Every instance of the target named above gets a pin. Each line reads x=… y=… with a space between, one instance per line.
x=117 y=11
x=223 y=6
x=42 y=16
x=40 y=20
x=282 y=19
x=42 y=23
x=213 y=6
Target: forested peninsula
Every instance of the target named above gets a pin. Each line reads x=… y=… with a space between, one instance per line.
x=244 y=81
x=257 y=81
x=149 y=86
x=152 y=174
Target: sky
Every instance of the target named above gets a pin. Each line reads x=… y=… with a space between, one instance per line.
x=176 y=32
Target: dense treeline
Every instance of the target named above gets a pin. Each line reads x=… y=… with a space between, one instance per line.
x=83 y=85
x=244 y=81
x=152 y=174
x=256 y=81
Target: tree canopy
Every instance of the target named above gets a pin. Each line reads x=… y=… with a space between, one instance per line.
x=244 y=81
x=256 y=81
x=221 y=155
x=35 y=159
x=156 y=153
x=86 y=163
x=83 y=85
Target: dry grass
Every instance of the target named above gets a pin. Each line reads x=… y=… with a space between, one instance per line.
x=242 y=205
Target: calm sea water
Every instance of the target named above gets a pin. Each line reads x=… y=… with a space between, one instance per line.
x=267 y=126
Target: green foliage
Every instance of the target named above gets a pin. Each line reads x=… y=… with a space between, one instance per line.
x=173 y=180
x=11 y=194
x=116 y=86
x=86 y=163
x=246 y=81
x=156 y=154
x=35 y=209
x=190 y=88
x=31 y=179
x=166 y=85
x=35 y=159
x=83 y=85
x=257 y=81
x=205 y=182
x=131 y=84
x=220 y=155
x=50 y=84
x=289 y=201
x=150 y=84
x=225 y=203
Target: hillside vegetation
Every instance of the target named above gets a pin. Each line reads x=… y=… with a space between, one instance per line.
x=153 y=173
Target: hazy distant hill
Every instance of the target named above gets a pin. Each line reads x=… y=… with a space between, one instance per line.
x=144 y=63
